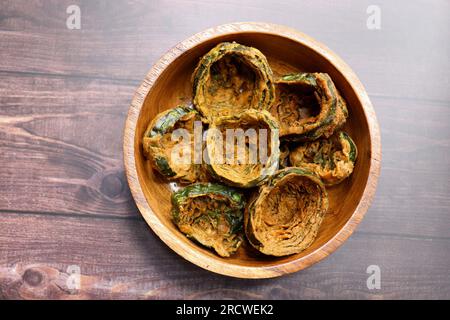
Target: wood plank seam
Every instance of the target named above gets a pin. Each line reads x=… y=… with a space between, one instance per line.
x=129 y=81
x=73 y=214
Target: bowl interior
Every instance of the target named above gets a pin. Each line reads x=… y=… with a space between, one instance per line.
x=173 y=87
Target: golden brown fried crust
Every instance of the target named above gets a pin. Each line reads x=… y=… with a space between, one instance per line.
x=158 y=147
x=252 y=170
x=232 y=78
x=308 y=106
x=285 y=216
x=332 y=159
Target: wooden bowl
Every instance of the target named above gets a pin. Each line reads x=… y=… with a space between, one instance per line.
x=168 y=84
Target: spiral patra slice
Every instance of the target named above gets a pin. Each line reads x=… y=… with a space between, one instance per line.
x=159 y=145
x=231 y=78
x=308 y=106
x=211 y=214
x=243 y=149
x=285 y=215
x=333 y=159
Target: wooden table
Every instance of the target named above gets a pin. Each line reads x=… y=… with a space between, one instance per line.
x=64 y=199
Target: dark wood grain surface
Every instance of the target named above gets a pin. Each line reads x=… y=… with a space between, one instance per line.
x=64 y=200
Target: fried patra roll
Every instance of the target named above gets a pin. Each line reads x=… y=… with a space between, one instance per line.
x=285 y=215
x=211 y=214
x=332 y=159
x=231 y=78
x=308 y=106
x=158 y=145
x=243 y=149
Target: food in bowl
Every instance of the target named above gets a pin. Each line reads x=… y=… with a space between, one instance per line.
x=232 y=78
x=286 y=213
x=332 y=159
x=159 y=145
x=308 y=106
x=284 y=196
x=211 y=214
x=242 y=168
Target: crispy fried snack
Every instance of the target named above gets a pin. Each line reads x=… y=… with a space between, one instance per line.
x=231 y=78
x=333 y=159
x=243 y=149
x=158 y=145
x=211 y=214
x=308 y=106
x=286 y=213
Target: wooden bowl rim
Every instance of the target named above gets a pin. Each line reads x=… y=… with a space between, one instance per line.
x=197 y=257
